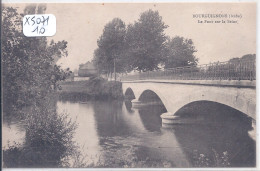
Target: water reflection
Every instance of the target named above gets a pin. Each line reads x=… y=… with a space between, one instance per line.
x=128 y=106
x=111 y=134
x=13 y=133
x=206 y=139
x=85 y=136
x=150 y=117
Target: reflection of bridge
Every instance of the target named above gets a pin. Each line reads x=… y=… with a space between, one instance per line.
x=230 y=84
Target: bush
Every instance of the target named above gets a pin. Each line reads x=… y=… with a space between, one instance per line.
x=48 y=139
x=95 y=88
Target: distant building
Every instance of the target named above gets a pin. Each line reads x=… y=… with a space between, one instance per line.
x=86 y=70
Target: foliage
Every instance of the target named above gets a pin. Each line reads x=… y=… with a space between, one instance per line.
x=126 y=158
x=59 y=74
x=48 y=139
x=201 y=160
x=142 y=46
x=111 y=47
x=51 y=134
x=28 y=63
x=247 y=57
x=146 y=41
x=96 y=88
x=180 y=52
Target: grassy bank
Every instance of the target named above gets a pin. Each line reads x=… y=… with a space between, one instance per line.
x=92 y=89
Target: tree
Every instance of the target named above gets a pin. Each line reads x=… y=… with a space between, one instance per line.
x=109 y=54
x=146 y=41
x=180 y=52
x=27 y=62
x=100 y=61
x=249 y=57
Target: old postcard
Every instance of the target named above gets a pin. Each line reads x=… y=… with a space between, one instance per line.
x=129 y=85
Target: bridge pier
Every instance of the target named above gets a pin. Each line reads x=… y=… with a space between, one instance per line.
x=252 y=133
x=169 y=118
x=136 y=103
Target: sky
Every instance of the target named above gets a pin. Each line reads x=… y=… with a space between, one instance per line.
x=81 y=24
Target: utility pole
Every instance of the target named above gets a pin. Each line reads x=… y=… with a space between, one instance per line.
x=115 y=68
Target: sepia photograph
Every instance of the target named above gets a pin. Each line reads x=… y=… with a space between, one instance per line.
x=129 y=85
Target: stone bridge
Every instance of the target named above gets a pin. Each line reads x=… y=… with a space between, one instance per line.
x=175 y=94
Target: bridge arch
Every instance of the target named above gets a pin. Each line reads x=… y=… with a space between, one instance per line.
x=173 y=108
x=149 y=95
x=155 y=94
x=175 y=96
x=212 y=111
x=234 y=101
x=129 y=94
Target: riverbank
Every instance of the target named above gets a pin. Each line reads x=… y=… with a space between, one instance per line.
x=93 y=89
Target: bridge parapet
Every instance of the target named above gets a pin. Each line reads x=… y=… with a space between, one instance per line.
x=218 y=83
x=230 y=70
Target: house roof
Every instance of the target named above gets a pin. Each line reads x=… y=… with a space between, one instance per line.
x=88 y=65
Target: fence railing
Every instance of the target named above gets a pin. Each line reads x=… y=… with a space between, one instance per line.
x=231 y=70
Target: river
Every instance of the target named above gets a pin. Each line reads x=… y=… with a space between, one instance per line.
x=112 y=134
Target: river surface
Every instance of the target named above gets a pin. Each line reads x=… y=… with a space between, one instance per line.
x=112 y=134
